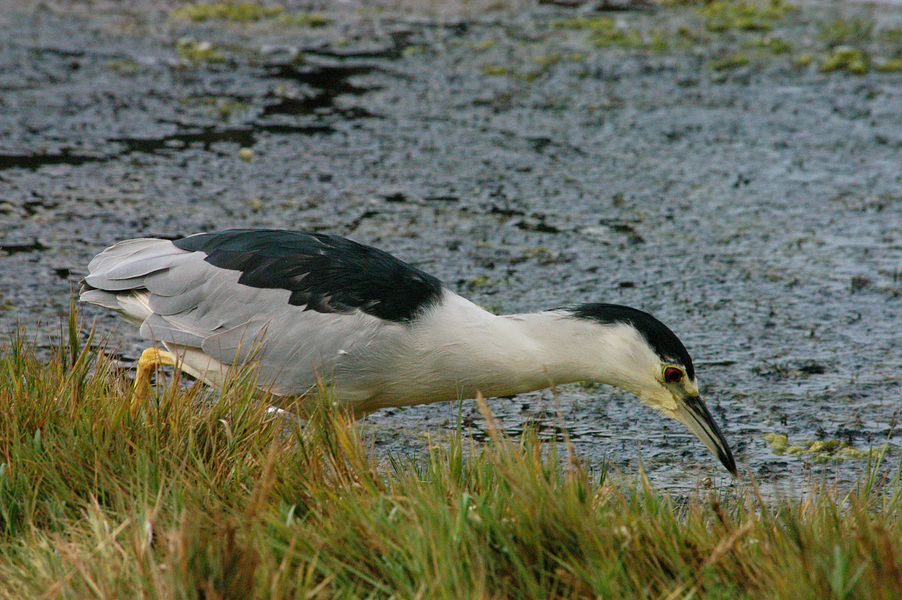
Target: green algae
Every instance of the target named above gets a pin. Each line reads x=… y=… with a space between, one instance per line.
x=724 y=15
x=822 y=450
x=199 y=51
x=227 y=11
x=848 y=58
x=729 y=61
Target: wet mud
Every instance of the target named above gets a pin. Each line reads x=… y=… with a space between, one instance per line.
x=715 y=169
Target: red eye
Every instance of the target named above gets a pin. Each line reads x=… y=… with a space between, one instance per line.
x=673 y=375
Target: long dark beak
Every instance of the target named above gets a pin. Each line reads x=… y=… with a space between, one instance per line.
x=693 y=413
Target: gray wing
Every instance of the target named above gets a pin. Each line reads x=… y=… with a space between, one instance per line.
x=178 y=298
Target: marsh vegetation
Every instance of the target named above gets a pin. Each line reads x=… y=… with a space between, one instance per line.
x=191 y=496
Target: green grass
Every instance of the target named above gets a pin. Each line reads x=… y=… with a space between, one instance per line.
x=180 y=497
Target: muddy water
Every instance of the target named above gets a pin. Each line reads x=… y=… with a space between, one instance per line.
x=529 y=162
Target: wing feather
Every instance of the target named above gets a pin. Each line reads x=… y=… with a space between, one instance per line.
x=118 y=266
x=179 y=274
x=177 y=296
x=170 y=330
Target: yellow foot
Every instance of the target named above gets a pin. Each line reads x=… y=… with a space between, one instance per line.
x=147 y=364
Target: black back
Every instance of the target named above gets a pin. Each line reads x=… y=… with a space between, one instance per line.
x=325 y=273
x=665 y=342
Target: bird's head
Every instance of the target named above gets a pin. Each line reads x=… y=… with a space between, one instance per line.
x=641 y=355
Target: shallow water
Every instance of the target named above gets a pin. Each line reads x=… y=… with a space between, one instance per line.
x=756 y=210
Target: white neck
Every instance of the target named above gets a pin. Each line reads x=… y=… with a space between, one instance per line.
x=465 y=349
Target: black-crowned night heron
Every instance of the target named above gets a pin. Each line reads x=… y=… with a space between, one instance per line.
x=306 y=308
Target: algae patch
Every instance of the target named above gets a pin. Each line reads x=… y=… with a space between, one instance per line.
x=604 y=33
x=774 y=45
x=198 y=51
x=227 y=11
x=889 y=66
x=821 y=450
x=844 y=32
x=723 y=15
x=853 y=60
x=243 y=12
x=729 y=61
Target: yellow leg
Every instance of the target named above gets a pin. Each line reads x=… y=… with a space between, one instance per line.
x=147 y=364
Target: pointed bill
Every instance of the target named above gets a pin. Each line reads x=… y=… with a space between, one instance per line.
x=692 y=412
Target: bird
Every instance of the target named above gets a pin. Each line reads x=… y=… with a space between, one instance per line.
x=300 y=309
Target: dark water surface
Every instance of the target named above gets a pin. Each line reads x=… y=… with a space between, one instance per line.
x=529 y=162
